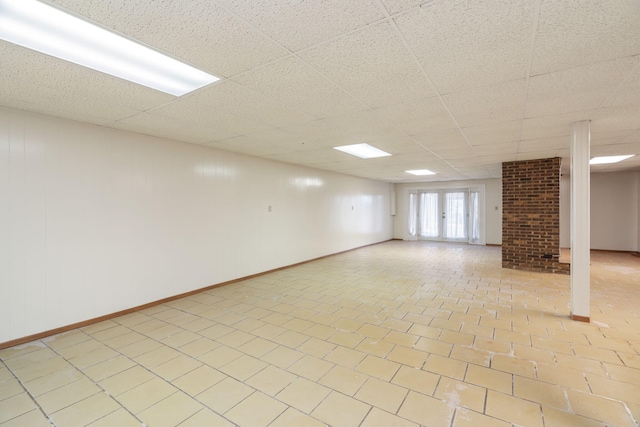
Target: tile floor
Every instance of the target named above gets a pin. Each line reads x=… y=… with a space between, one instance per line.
x=395 y=334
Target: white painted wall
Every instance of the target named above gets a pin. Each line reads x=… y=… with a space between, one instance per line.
x=615 y=211
x=95 y=220
x=493 y=205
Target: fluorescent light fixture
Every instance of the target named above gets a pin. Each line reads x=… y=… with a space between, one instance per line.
x=49 y=30
x=608 y=159
x=364 y=151
x=421 y=172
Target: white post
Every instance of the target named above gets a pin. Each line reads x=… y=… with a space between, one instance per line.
x=580 y=221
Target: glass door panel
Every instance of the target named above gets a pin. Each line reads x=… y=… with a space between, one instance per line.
x=455 y=226
x=429 y=215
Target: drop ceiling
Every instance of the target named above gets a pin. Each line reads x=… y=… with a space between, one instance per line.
x=456 y=87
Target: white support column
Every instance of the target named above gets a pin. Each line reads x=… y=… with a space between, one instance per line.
x=580 y=221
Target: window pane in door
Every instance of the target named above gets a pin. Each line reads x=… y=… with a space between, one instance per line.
x=455 y=225
x=429 y=215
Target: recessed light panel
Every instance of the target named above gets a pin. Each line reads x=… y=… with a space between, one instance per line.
x=364 y=151
x=421 y=172
x=51 y=31
x=608 y=159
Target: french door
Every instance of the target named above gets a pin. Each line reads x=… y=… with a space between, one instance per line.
x=447 y=215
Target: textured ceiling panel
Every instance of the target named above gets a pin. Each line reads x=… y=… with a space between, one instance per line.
x=372 y=65
x=288 y=21
x=453 y=86
x=303 y=89
x=576 y=33
x=577 y=89
x=465 y=44
x=488 y=104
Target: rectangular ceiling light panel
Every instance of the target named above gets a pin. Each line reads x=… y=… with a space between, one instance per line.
x=608 y=159
x=421 y=172
x=49 y=30
x=364 y=151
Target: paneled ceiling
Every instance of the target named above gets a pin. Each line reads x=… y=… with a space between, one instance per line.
x=457 y=87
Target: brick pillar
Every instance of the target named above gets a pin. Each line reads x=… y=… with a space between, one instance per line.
x=531 y=216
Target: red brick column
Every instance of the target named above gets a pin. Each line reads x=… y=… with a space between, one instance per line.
x=531 y=216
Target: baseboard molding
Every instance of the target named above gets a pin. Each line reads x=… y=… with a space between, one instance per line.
x=67 y=328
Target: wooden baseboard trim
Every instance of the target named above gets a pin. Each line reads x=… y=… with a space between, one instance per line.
x=580 y=318
x=67 y=328
x=493 y=244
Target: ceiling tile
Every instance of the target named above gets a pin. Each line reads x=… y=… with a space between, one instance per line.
x=466 y=44
x=288 y=21
x=494 y=133
x=372 y=65
x=304 y=88
x=419 y=116
x=576 y=89
x=488 y=104
x=576 y=33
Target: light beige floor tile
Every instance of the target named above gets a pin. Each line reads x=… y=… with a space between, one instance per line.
x=198 y=380
x=555 y=417
x=109 y=368
x=206 y=417
x=618 y=390
x=346 y=339
x=438 y=347
x=140 y=347
x=379 y=418
x=199 y=347
x=339 y=410
x=377 y=367
x=15 y=406
x=220 y=356
x=157 y=357
x=216 y=331
x=445 y=366
x=471 y=355
x=15 y=357
x=67 y=395
x=86 y=411
x=623 y=373
x=458 y=393
x=375 y=347
x=423 y=409
x=533 y=354
x=316 y=347
x=310 y=367
x=126 y=380
x=257 y=347
x=257 y=410
x=407 y=356
x=171 y=411
x=243 y=368
x=271 y=380
x=344 y=380
x=345 y=357
x=124 y=340
x=488 y=344
x=599 y=408
x=10 y=388
x=489 y=378
x=41 y=368
x=180 y=339
x=426 y=331
x=467 y=418
x=303 y=395
x=580 y=364
x=564 y=377
x=66 y=339
x=293 y=417
x=282 y=357
x=33 y=418
x=540 y=392
x=525 y=368
x=512 y=409
x=224 y=395
x=382 y=395
x=372 y=331
x=120 y=418
x=146 y=395
x=235 y=339
x=416 y=379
